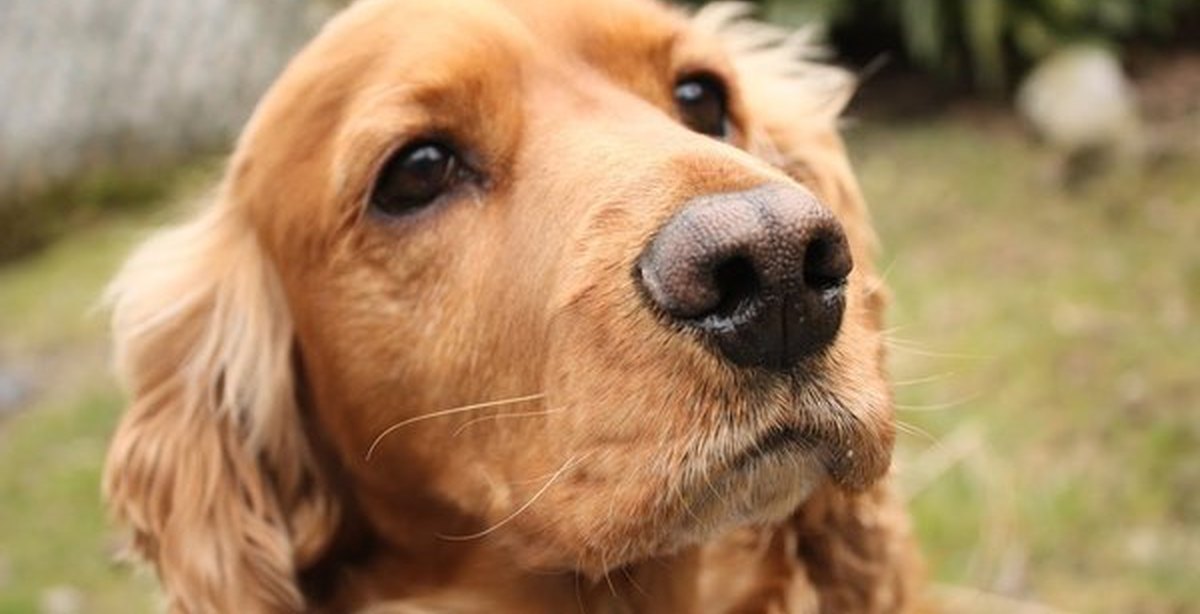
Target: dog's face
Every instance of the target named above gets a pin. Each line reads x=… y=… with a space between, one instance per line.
x=488 y=201
x=588 y=280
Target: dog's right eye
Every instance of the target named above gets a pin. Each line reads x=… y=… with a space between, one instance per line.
x=702 y=103
x=415 y=177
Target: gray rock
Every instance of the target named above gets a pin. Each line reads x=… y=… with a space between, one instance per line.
x=1080 y=99
x=14 y=391
x=61 y=600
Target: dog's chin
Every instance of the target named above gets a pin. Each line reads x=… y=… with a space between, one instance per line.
x=764 y=486
x=759 y=479
x=764 y=491
x=719 y=494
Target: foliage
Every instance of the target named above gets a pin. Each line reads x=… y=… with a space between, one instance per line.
x=982 y=42
x=32 y=220
x=56 y=544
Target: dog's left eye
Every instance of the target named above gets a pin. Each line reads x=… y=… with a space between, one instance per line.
x=415 y=177
x=702 y=104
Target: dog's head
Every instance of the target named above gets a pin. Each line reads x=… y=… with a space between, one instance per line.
x=588 y=279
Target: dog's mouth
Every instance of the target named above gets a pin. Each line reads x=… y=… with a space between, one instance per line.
x=761 y=479
x=777 y=441
x=846 y=450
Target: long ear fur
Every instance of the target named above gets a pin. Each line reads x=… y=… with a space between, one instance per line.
x=856 y=550
x=209 y=466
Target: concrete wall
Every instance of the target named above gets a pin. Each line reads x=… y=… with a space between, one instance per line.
x=104 y=84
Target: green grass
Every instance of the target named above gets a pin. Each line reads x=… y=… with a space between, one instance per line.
x=1047 y=342
x=46 y=301
x=53 y=531
x=1060 y=333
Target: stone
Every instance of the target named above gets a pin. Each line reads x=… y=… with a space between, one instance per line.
x=61 y=599
x=1079 y=99
x=14 y=391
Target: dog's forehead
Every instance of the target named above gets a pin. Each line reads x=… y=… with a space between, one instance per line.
x=391 y=49
x=594 y=31
x=389 y=70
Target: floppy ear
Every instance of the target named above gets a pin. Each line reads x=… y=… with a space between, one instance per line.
x=209 y=466
x=856 y=549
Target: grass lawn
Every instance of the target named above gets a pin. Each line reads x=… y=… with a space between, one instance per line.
x=1047 y=353
x=1045 y=344
x=54 y=540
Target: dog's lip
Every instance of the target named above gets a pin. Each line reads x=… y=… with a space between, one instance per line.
x=850 y=466
x=775 y=441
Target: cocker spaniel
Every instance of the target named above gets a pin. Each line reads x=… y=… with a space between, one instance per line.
x=520 y=306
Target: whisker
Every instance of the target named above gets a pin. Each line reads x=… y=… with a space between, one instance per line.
x=891 y=331
x=924 y=380
x=706 y=473
x=872 y=68
x=675 y=484
x=541 y=491
x=677 y=493
x=520 y=414
x=900 y=345
x=608 y=577
x=634 y=583
x=447 y=412
x=881 y=280
x=915 y=431
x=897 y=340
x=578 y=591
x=939 y=459
x=937 y=406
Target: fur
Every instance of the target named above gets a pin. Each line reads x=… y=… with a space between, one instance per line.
x=471 y=410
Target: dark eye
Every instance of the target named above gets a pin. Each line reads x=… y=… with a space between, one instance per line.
x=415 y=177
x=702 y=105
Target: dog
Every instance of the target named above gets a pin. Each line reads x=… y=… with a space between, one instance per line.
x=520 y=306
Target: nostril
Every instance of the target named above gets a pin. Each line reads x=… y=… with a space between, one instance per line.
x=736 y=282
x=826 y=263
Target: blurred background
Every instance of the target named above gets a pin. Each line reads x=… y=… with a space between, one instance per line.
x=1033 y=167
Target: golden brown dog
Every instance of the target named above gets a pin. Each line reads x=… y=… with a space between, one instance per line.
x=519 y=306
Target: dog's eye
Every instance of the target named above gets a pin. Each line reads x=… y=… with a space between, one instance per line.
x=415 y=177
x=702 y=105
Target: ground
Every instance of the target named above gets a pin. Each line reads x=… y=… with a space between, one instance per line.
x=1045 y=345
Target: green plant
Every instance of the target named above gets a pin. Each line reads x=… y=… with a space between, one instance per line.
x=982 y=42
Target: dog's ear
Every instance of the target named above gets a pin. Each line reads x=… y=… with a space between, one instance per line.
x=209 y=466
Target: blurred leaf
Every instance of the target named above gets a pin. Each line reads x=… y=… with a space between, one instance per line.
x=920 y=21
x=985 y=30
x=804 y=12
x=1116 y=16
x=1062 y=11
x=984 y=41
x=1031 y=36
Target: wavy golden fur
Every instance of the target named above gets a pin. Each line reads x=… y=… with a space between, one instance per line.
x=468 y=409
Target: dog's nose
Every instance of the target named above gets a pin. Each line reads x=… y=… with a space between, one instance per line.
x=762 y=273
